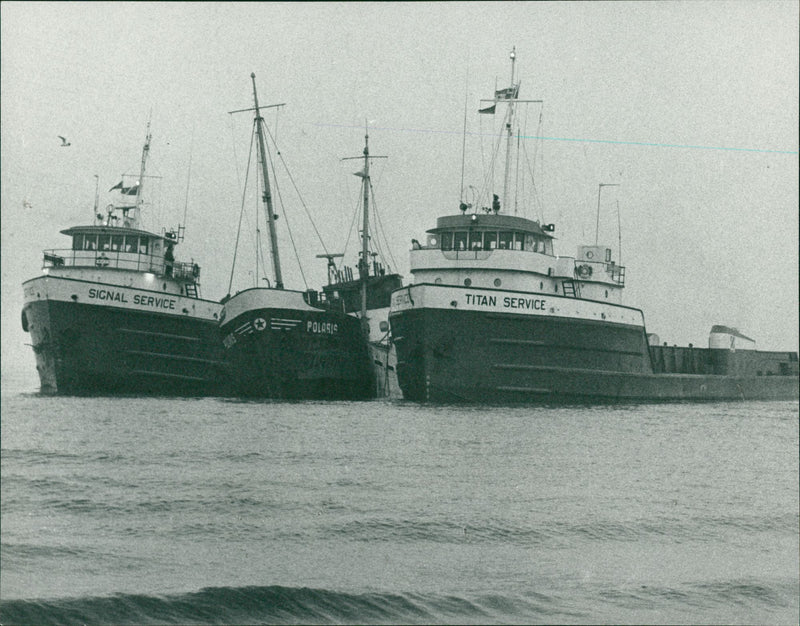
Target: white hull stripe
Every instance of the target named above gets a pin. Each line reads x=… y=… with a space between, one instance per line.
x=276 y=324
x=497 y=301
x=57 y=289
x=244 y=329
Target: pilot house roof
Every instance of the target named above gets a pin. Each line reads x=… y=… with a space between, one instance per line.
x=488 y=221
x=109 y=230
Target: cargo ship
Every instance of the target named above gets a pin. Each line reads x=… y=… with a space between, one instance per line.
x=495 y=316
x=115 y=312
x=290 y=344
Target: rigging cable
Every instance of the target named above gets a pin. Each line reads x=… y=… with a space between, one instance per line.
x=300 y=197
x=259 y=244
x=280 y=201
x=539 y=191
x=376 y=229
x=188 y=179
x=382 y=232
x=531 y=169
x=356 y=213
x=464 y=135
x=241 y=212
x=516 y=179
x=488 y=181
x=377 y=224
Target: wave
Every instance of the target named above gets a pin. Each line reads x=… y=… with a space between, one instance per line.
x=726 y=599
x=280 y=605
x=674 y=528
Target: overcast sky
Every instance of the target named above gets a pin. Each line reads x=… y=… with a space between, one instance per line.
x=692 y=107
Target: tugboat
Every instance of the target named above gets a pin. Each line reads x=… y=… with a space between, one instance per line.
x=116 y=313
x=495 y=316
x=368 y=293
x=291 y=344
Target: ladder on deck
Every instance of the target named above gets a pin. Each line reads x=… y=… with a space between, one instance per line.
x=191 y=290
x=570 y=289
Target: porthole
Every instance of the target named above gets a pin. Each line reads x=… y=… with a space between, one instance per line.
x=467 y=282
x=438 y=281
x=497 y=282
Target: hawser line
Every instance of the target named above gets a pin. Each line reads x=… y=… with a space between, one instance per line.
x=573 y=139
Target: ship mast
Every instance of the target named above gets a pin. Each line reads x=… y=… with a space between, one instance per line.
x=363 y=265
x=509 y=129
x=273 y=237
x=140 y=182
x=509 y=96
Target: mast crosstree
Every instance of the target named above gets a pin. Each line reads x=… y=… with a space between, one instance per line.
x=508 y=96
x=363 y=263
x=267 y=196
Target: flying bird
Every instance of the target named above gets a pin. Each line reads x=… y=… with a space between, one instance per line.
x=64 y=142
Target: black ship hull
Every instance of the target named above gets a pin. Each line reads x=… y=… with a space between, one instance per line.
x=88 y=348
x=454 y=355
x=296 y=353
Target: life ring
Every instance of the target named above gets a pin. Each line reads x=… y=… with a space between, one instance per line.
x=102 y=261
x=584 y=271
x=196 y=270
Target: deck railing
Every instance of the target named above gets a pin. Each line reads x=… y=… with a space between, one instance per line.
x=615 y=273
x=132 y=261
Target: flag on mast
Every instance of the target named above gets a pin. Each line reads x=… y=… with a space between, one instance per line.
x=509 y=93
x=127 y=191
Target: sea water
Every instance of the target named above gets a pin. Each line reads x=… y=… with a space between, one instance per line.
x=181 y=510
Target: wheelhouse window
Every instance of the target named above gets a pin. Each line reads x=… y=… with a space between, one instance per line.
x=447 y=241
x=116 y=243
x=490 y=240
x=143 y=241
x=77 y=242
x=90 y=242
x=530 y=243
x=476 y=240
x=460 y=240
x=104 y=242
x=506 y=240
